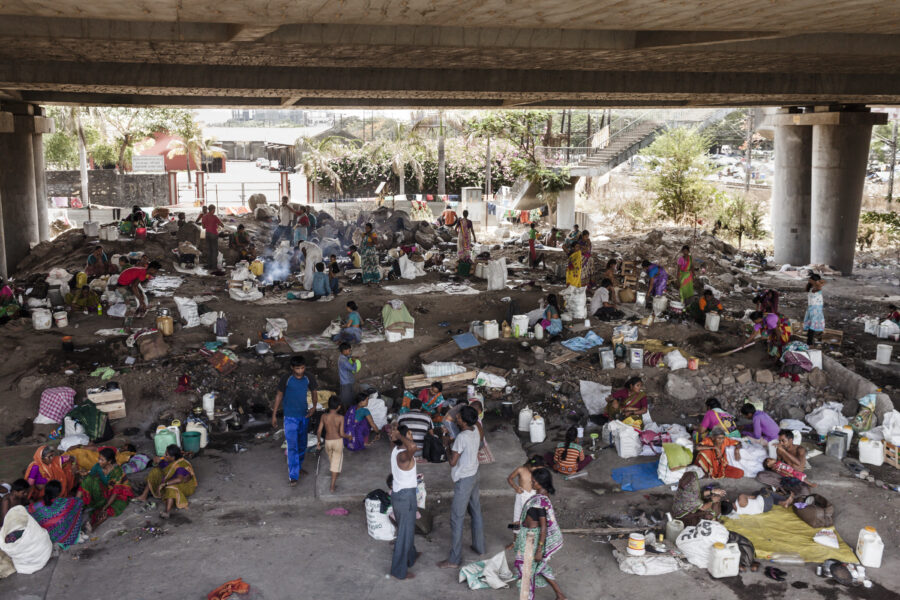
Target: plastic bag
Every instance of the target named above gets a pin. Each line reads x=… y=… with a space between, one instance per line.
x=117 y=310
x=275 y=328
x=492 y=573
x=30 y=552
x=827 y=537
x=187 y=308
x=378 y=523
x=890 y=427
x=628 y=332
x=496 y=274
x=333 y=328
x=827 y=417
x=674 y=360
x=696 y=542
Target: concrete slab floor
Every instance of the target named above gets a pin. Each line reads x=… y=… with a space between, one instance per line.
x=246 y=522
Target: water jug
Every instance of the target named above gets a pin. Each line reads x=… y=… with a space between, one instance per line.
x=674 y=529
x=724 y=560
x=175 y=428
x=209 y=404
x=869 y=547
x=165 y=325
x=848 y=431
x=41 y=318
x=491 y=330
x=608 y=359
x=537 y=431
x=162 y=440
x=199 y=427
x=836 y=444
x=538 y=331
x=871 y=452
x=883 y=354
x=712 y=321
x=525 y=416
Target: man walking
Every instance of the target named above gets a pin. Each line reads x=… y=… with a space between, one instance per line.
x=285 y=218
x=403 y=501
x=292 y=391
x=464 y=473
x=211 y=224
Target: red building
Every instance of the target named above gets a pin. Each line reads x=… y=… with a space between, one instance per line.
x=214 y=163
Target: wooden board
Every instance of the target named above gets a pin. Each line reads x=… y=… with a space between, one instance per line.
x=833 y=336
x=113 y=410
x=441 y=353
x=415 y=382
x=100 y=398
x=563 y=358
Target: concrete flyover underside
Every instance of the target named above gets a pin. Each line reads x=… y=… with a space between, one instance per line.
x=433 y=53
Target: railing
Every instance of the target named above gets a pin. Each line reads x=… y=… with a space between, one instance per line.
x=563 y=154
x=229 y=193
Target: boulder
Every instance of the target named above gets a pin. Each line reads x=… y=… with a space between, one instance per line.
x=256 y=200
x=680 y=387
x=744 y=376
x=424 y=240
x=817 y=378
x=28 y=385
x=764 y=376
x=265 y=212
x=189 y=232
x=331 y=246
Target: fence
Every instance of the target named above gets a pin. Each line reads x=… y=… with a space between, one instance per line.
x=229 y=193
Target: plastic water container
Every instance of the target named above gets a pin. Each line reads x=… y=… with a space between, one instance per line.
x=869 y=547
x=409 y=333
x=836 y=444
x=41 y=318
x=815 y=357
x=91 y=228
x=640 y=298
x=525 y=416
x=883 y=354
x=660 y=303
x=61 y=318
x=491 y=330
x=162 y=440
x=712 y=321
x=537 y=430
x=608 y=359
x=209 y=404
x=635 y=358
x=724 y=560
x=196 y=426
x=538 y=331
x=175 y=428
x=674 y=529
x=871 y=452
x=192 y=441
x=479 y=270
x=519 y=325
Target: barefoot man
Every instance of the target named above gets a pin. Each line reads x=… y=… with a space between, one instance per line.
x=292 y=391
x=333 y=425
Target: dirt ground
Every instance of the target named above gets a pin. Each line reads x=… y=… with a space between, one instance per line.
x=244 y=507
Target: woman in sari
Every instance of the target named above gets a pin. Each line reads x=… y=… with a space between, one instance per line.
x=358 y=423
x=465 y=238
x=715 y=416
x=61 y=517
x=584 y=246
x=628 y=404
x=552 y=322
x=172 y=480
x=432 y=399
x=691 y=505
x=351 y=331
x=47 y=465
x=105 y=490
x=711 y=455
x=685 y=265
x=659 y=279
x=777 y=327
x=371 y=273
x=98 y=263
x=538 y=521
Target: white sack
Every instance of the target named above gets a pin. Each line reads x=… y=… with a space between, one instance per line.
x=30 y=552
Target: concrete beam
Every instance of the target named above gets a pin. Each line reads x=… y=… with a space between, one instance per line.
x=837 y=117
x=249 y=33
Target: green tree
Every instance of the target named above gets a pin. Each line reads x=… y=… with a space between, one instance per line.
x=315 y=159
x=128 y=126
x=677 y=169
x=193 y=144
x=739 y=215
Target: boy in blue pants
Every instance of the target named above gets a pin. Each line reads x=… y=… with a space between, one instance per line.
x=292 y=391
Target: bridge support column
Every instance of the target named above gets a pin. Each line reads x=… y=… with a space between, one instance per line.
x=40 y=182
x=791 y=193
x=17 y=189
x=565 y=209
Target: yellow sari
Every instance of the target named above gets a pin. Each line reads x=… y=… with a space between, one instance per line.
x=573 y=270
x=179 y=492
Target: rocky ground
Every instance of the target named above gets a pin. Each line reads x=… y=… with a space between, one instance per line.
x=229 y=518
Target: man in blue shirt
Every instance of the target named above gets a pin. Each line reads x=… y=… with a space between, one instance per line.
x=292 y=392
x=348 y=367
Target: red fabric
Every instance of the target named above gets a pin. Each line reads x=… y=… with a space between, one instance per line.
x=132 y=274
x=56 y=403
x=211 y=223
x=235 y=586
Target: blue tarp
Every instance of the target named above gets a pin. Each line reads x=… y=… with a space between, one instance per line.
x=637 y=477
x=580 y=344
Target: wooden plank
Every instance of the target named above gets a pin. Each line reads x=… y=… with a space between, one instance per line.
x=833 y=336
x=99 y=398
x=562 y=358
x=413 y=382
x=610 y=530
x=496 y=371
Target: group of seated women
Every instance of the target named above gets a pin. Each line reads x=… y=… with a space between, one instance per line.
x=78 y=490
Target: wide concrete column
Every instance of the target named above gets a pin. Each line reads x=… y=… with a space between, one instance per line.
x=840 y=152
x=40 y=182
x=791 y=193
x=17 y=190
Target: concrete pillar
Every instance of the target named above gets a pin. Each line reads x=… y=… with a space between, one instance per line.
x=284 y=184
x=17 y=190
x=40 y=183
x=4 y=273
x=839 y=156
x=791 y=193
x=173 y=187
x=200 y=180
x=565 y=208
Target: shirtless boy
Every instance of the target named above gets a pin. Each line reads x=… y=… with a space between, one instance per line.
x=520 y=480
x=333 y=425
x=788 y=452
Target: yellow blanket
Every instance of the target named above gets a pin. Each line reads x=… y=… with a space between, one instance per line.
x=780 y=530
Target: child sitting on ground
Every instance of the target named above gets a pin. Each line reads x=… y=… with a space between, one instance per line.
x=333 y=425
x=786 y=470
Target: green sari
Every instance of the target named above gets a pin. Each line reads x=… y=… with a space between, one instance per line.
x=97 y=487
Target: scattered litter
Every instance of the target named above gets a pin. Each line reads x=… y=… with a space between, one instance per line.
x=337 y=512
x=105 y=373
x=429 y=288
x=581 y=344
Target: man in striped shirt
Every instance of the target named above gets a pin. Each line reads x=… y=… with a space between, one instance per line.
x=417 y=421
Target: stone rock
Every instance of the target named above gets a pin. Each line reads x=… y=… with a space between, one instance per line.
x=189 y=232
x=424 y=240
x=265 y=213
x=744 y=376
x=256 y=200
x=28 y=385
x=764 y=376
x=817 y=378
x=727 y=380
x=680 y=387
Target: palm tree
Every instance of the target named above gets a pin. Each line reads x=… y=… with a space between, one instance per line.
x=195 y=146
x=404 y=150
x=316 y=157
x=444 y=121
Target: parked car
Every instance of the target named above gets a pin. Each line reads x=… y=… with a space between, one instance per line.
x=274 y=165
x=262 y=163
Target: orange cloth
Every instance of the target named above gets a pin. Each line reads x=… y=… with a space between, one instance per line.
x=713 y=460
x=235 y=586
x=57 y=469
